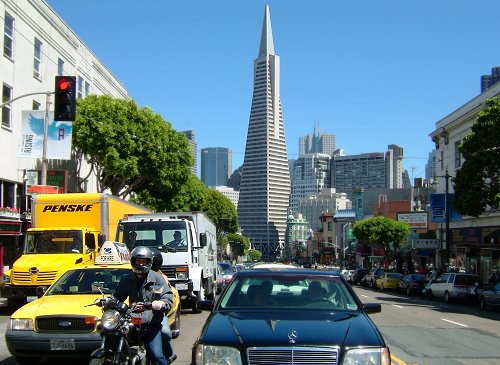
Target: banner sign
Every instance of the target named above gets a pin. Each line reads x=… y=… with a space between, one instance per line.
x=32 y=132
x=416 y=220
x=438 y=209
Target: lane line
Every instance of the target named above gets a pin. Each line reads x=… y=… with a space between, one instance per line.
x=460 y=324
x=399 y=306
x=397 y=360
x=365 y=296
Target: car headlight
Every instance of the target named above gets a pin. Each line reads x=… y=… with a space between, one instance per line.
x=20 y=324
x=378 y=356
x=110 y=320
x=181 y=275
x=215 y=355
x=5 y=279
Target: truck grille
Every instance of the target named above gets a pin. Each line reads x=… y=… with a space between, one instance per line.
x=63 y=324
x=41 y=278
x=292 y=355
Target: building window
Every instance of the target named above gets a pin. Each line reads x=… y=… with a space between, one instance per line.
x=60 y=67
x=8 y=37
x=330 y=226
x=37 y=61
x=36 y=105
x=6 y=96
x=442 y=160
x=87 y=88
x=458 y=156
x=80 y=87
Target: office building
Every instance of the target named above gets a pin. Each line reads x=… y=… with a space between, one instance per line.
x=230 y=193
x=194 y=149
x=216 y=165
x=488 y=81
x=265 y=181
x=327 y=200
x=317 y=143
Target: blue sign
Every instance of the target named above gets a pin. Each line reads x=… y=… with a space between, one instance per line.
x=438 y=209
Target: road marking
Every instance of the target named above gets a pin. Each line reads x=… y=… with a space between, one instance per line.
x=396 y=360
x=399 y=306
x=366 y=296
x=460 y=324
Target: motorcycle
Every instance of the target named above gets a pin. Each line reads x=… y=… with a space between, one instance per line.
x=121 y=342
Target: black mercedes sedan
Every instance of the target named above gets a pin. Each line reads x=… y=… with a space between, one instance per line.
x=289 y=316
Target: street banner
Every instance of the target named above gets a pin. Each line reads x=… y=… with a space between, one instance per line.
x=438 y=209
x=32 y=131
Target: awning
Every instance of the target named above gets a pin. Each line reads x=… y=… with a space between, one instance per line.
x=426 y=253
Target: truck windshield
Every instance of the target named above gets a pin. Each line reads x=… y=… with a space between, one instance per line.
x=166 y=236
x=53 y=242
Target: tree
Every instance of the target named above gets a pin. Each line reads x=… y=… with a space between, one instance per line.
x=239 y=244
x=221 y=211
x=129 y=149
x=477 y=182
x=382 y=231
x=254 y=255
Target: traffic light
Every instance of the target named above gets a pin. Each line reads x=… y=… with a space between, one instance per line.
x=65 y=98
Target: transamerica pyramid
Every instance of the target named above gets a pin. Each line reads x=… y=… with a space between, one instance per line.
x=265 y=181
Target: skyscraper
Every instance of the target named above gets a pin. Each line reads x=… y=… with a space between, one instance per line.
x=265 y=181
x=216 y=165
x=317 y=143
x=194 y=148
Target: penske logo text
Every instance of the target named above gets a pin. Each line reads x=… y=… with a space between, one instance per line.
x=68 y=208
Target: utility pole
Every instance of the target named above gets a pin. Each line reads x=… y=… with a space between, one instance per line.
x=447 y=215
x=45 y=134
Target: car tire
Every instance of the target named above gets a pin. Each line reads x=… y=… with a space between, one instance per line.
x=482 y=304
x=176 y=330
x=200 y=295
x=24 y=360
x=429 y=294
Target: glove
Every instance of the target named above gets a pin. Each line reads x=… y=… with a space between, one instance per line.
x=156 y=305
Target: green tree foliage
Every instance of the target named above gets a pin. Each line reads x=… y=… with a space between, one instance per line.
x=383 y=232
x=130 y=149
x=221 y=211
x=239 y=244
x=477 y=184
x=254 y=255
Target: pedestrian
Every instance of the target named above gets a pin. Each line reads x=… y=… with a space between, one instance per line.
x=493 y=279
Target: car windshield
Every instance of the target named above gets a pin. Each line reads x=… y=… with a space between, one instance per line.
x=287 y=292
x=88 y=281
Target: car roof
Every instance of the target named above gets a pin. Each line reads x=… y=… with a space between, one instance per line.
x=274 y=266
x=287 y=271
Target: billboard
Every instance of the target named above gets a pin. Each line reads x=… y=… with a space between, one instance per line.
x=416 y=220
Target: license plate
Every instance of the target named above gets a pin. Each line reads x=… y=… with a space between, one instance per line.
x=31 y=298
x=181 y=286
x=62 y=344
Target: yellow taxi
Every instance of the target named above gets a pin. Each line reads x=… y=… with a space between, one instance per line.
x=62 y=322
x=388 y=280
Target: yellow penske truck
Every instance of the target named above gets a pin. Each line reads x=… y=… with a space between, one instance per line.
x=68 y=231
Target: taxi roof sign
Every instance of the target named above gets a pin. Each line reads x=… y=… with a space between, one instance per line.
x=113 y=253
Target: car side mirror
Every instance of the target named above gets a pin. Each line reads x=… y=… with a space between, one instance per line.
x=40 y=291
x=372 y=308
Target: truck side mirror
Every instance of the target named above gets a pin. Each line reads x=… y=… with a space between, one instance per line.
x=102 y=239
x=90 y=241
x=203 y=239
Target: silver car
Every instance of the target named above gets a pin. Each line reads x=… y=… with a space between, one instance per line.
x=453 y=286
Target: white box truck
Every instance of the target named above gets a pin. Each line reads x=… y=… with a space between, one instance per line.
x=188 y=244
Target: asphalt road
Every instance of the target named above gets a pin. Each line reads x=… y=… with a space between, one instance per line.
x=417 y=330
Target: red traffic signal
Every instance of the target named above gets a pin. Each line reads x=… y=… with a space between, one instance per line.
x=65 y=98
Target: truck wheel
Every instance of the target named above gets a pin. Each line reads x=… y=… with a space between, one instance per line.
x=200 y=295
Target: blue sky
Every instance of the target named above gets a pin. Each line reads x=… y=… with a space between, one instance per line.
x=371 y=72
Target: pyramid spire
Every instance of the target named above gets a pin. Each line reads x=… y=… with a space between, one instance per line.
x=266 y=39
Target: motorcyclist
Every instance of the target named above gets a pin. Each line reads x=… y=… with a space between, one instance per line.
x=166 y=332
x=145 y=285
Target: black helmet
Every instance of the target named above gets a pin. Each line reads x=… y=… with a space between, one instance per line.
x=157 y=259
x=141 y=252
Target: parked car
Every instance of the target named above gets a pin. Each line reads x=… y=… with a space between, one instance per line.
x=348 y=275
x=453 y=286
x=272 y=316
x=388 y=280
x=372 y=276
x=225 y=272
x=359 y=274
x=490 y=298
x=412 y=284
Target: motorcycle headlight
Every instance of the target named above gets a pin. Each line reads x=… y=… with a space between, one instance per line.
x=215 y=355
x=181 y=275
x=110 y=320
x=20 y=324
x=377 y=356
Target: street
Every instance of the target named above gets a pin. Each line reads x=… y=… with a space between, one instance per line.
x=417 y=330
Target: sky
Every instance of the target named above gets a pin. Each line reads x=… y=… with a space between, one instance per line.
x=372 y=72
